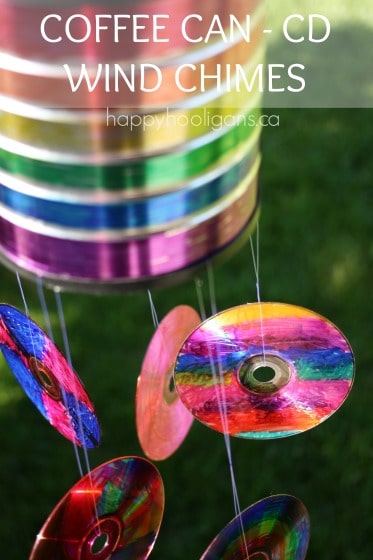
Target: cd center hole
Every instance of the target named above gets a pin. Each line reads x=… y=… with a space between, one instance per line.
x=45 y=379
x=99 y=543
x=258 y=556
x=264 y=374
x=171 y=384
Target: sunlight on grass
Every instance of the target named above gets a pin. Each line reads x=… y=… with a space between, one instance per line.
x=345 y=271
x=336 y=70
x=348 y=11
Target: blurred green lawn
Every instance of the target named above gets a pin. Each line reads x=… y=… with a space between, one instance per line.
x=315 y=251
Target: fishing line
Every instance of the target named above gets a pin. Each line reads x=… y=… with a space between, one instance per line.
x=153 y=311
x=44 y=307
x=65 y=339
x=212 y=291
x=61 y=316
x=198 y=282
x=221 y=401
x=48 y=323
x=255 y=257
x=23 y=296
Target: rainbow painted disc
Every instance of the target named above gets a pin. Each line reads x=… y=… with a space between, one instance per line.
x=47 y=379
x=115 y=512
x=162 y=420
x=264 y=370
x=276 y=528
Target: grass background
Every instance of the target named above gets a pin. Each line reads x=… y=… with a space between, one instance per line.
x=316 y=251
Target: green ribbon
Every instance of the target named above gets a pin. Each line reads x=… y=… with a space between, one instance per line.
x=158 y=173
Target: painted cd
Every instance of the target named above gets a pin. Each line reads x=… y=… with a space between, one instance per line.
x=47 y=378
x=162 y=420
x=113 y=512
x=275 y=528
x=264 y=370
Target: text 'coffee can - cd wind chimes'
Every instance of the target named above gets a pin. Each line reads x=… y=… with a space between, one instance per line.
x=106 y=188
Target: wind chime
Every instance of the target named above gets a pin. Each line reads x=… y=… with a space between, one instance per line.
x=100 y=193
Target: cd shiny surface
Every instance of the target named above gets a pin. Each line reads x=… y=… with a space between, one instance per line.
x=162 y=420
x=113 y=512
x=276 y=528
x=264 y=370
x=46 y=378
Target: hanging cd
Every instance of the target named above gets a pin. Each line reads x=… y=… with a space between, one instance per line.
x=275 y=528
x=47 y=378
x=264 y=370
x=115 y=511
x=161 y=418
